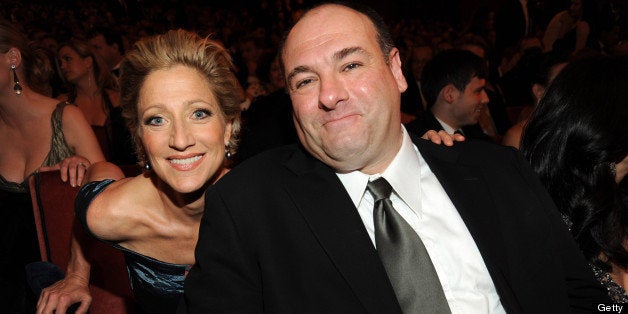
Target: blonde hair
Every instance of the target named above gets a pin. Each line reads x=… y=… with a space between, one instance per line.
x=179 y=47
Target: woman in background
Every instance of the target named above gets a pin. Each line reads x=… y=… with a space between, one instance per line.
x=577 y=142
x=548 y=66
x=95 y=91
x=37 y=132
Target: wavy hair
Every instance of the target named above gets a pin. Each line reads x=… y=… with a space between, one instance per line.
x=36 y=66
x=577 y=131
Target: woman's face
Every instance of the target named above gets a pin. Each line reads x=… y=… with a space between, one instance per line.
x=73 y=67
x=182 y=129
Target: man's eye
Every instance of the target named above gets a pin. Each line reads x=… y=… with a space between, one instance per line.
x=303 y=83
x=352 y=66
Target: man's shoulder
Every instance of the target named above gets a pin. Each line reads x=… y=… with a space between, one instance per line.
x=268 y=164
x=472 y=152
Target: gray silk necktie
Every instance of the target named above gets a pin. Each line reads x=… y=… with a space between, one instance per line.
x=404 y=256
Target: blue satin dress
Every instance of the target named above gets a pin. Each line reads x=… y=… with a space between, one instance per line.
x=157 y=286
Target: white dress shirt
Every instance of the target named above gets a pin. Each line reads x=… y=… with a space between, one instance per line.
x=446 y=127
x=421 y=200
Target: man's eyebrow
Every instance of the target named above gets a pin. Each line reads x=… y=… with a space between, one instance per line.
x=297 y=70
x=348 y=51
x=339 y=55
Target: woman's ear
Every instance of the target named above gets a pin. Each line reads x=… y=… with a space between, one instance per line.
x=14 y=57
x=89 y=62
x=228 y=132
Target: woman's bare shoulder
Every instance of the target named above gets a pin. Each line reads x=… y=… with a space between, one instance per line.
x=113 y=214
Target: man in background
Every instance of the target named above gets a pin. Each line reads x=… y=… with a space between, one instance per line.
x=108 y=43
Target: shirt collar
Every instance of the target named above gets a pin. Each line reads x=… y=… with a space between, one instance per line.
x=445 y=126
x=407 y=187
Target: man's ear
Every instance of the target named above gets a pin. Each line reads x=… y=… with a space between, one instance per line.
x=449 y=93
x=394 y=62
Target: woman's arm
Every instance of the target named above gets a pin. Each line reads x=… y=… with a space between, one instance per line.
x=81 y=139
x=74 y=288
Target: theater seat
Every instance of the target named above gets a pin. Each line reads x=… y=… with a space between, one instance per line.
x=103 y=140
x=53 y=208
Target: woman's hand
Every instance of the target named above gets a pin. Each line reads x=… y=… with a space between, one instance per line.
x=72 y=168
x=442 y=137
x=62 y=294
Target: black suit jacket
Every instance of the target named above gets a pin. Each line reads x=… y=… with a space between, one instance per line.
x=427 y=121
x=281 y=235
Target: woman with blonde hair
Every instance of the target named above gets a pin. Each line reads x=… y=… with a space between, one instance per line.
x=179 y=98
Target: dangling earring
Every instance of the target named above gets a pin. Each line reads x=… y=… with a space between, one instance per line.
x=227 y=152
x=17 y=87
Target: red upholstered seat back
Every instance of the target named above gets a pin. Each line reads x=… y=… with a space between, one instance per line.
x=103 y=140
x=53 y=207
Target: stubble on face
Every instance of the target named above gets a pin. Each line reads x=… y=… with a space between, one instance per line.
x=346 y=113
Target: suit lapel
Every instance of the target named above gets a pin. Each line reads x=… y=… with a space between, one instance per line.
x=333 y=219
x=467 y=188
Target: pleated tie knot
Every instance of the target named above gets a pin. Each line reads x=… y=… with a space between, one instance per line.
x=380 y=188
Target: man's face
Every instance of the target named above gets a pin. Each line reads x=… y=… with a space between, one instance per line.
x=468 y=104
x=108 y=52
x=344 y=94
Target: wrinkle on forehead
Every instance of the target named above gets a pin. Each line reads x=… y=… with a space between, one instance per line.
x=324 y=25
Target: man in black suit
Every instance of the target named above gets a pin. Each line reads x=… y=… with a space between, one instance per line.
x=292 y=230
x=453 y=84
x=108 y=43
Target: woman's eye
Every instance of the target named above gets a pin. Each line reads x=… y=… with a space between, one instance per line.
x=202 y=113
x=154 y=121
